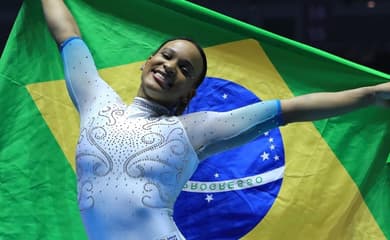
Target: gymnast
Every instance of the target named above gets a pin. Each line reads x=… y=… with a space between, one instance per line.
x=133 y=160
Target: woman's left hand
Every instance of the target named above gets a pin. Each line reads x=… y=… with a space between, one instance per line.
x=382 y=94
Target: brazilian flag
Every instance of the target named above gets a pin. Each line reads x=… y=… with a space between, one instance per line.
x=316 y=180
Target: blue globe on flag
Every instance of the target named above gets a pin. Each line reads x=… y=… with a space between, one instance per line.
x=230 y=192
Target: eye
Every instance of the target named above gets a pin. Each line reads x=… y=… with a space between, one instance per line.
x=166 y=55
x=185 y=71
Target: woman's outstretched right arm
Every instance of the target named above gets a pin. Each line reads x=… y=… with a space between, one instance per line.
x=85 y=87
x=60 y=21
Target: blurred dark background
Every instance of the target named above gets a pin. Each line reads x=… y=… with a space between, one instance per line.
x=358 y=30
x=8 y=12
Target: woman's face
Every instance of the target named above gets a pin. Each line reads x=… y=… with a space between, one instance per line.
x=169 y=76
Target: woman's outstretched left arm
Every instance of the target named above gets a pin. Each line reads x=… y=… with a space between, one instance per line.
x=318 y=106
x=224 y=130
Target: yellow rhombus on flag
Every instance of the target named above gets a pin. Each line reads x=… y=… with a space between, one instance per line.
x=336 y=180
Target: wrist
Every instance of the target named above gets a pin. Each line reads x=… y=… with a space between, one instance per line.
x=370 y=95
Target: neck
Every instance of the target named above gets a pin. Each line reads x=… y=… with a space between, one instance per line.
x=151 y=107
x=141 y=93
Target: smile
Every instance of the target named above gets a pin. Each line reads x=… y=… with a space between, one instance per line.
x=161 y=78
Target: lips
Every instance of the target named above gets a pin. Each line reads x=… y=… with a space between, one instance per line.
x=161 y=78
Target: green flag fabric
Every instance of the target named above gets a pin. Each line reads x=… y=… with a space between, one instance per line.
x=336 y=183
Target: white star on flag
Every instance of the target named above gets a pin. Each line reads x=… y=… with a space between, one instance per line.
x=216 y=175
x=266 y=133
x=224 y=96
x=209 y=198
x=276 y=157
x=264 y=156
x=271 y=140
x=272 y=147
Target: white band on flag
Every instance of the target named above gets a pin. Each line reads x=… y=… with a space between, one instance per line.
x=234 y=184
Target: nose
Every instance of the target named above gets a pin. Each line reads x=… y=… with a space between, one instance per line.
x=170 y=68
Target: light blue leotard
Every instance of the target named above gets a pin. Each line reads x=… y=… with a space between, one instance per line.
x=133 y=160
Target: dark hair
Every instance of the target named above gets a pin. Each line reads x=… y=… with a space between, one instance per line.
x=201 y=52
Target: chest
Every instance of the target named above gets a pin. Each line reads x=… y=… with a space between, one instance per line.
x=113 y=141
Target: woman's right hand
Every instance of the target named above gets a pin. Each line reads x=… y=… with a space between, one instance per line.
x=60 y=21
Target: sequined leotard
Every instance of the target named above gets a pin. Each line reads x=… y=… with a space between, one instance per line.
x=133 y=160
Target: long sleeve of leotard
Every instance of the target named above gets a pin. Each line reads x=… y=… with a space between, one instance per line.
x=212 y=132
x=85 y=86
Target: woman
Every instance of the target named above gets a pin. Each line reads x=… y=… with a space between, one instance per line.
x=133 y=160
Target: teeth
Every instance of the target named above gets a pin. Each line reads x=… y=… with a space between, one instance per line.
x=159 y=75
